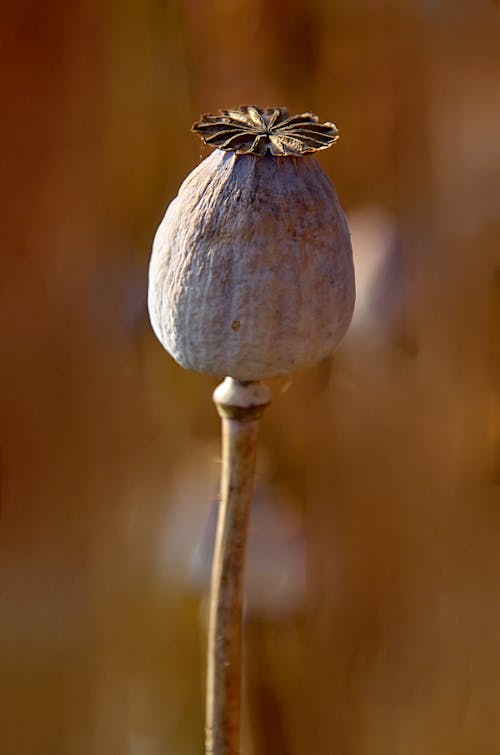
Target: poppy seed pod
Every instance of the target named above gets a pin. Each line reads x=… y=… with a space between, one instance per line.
x=251 y=274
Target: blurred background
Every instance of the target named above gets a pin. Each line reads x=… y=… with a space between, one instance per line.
x=373 y=580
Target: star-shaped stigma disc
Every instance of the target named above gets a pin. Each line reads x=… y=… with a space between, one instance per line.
x=257 y=131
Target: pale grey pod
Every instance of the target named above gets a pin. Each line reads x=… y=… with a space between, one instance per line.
x=251 y=274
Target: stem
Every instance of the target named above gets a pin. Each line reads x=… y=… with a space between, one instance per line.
x=240 y=406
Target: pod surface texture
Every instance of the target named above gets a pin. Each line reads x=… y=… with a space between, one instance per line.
x=251 y=274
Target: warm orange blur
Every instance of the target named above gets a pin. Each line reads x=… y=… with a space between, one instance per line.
x=373 y=618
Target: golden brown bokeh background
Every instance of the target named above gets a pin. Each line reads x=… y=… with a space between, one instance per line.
x=373 y=618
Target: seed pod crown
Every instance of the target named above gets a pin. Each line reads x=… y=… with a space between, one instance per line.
x=254 y=130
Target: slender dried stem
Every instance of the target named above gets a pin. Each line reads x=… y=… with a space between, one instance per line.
x=240 y=406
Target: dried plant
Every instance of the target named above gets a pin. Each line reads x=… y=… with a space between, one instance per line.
x=251 y=277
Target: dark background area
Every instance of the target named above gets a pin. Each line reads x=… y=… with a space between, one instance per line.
x=373 y=616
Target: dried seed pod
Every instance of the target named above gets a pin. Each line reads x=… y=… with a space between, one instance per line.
x=251 y=274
